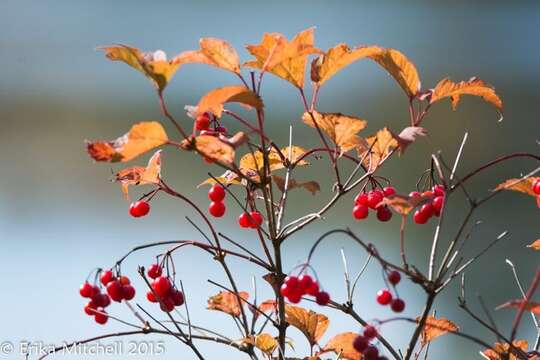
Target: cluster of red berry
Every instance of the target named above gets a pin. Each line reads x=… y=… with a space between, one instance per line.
x=118 y=288
x=216 y=194
x=385 y=297
x=294 y=288
x=429 y=209
x=250 y=221
x=97 y=304
x=362 y=344
x=139 y=208
x=536 y=190
x=372 y=200
x=164 y=289
x=202 y=124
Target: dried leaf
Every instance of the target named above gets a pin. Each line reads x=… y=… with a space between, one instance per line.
x=312 y=186
x=268 y=305
x=401 y=69
x=403 y=205
x=522 y=185
x=211 y=148
x=341 y=129
x=227 y=302
x=337 y=58
x=228 y=178
x=215 y=52
x=311 y=324
x=530 y=306
x=408 y=135
x=266 y=343
x=213 y=101
x=382 y=144
x=342 y=345
x=154 y=65
x=283 y=58
x=435 y=328
x=253 y=163
x=535 y=245
x=499 y=348
x=139 y=175
x=142 y=137
x=474 y=86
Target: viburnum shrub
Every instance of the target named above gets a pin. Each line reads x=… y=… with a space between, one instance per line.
x=253 y=189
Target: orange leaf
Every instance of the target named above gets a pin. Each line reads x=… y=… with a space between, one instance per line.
x=250 y=163
x=139 y=175
x=403 y=205
x=521 y=185
x=214 y=100
x=382 y=144
x=283 y=58
x=227 y=302
x=341 y=129
x=215 y=52
x=530 y=306
x=211 y=148
x=499 y=348
x=401 y=69
x=312 y=186
x=154 y=65
x=535 y=245
x=141 y=138
x=447 y=88
x=337 y=58
x=268 y=305
x=228 y=178
x=311 y=324
x=435 y=328
x=266 y=343
x=342 y=345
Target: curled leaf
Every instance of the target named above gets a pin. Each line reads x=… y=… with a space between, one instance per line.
x=211 y=148
x=311 y=324
x=139 y=175
x=408 y=135
x=403 y=205
x=435 y=328
x=215 y=52
x=154 y=65
x=228 y=178
x=500 y=349
x=382 y=144
x=521 y=185
x=227 y=302
x=141 y=138
x=213 y=101
x=401 y=69
x=530 y=306
x=342 y=345
x=312 y=186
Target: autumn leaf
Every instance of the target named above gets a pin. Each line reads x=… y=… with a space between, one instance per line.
x=311 y=324
x=227 y=302
x=227 y=178
x=283 y=58
x=254 y=162
x=500 y=348
x=139 y=175
x=535 y=245
x=211 y=148
x=381 y=144
x=154 y=65
x=521 y=185
x=142 y=137
x=268 y=305
x=403 y=205
x=312 y=186
x=435 y=328
x=401 y=69
x=474 y=86
x=335 y=59
x=408 y=136
x=530 y=306
x=342 y=345
x=215 y=52
x=341 y=129
x=213 y=101
x=266 y=343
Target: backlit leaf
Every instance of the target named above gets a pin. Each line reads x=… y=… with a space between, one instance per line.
x=312 y=186
x=341 y=129
x=521 y=185
x=283 y=58
x=500 y=348
x=227 y=302
x=535 y=245
x=154 y=65
x=266 y=343
x=141 y=138
x=342 y=345
x=211 y=148
x=139 y=175
x=401 y=69
x=215 y=52
x=254 y=163
x=530 y=306
x=435 y=328
x=311 y=324
x=268 y=305
x=213 y=101
x=382 y=144
x=228 y=178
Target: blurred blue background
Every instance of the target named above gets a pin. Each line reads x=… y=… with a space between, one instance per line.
x=60 y=216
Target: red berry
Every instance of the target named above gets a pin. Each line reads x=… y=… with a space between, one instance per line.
x=167 y=304
x=202 y=122
x=291 y=281
x=360 y=343
x=361 y=199
x=294 y=298
x=322 y=298
x=150 y=297
x=397 y=305
x=370 y=332
x=128 y=292
x=389 y=191
x=216 y=209
x=124 y=280
x=305 y=281
x=216 y=193
x=374 y=198
x=87 y=290
x=419 y=217
x=427 y=209
x=114 y=289
x=154 y=271
x=536 y=186
x=101 y=300
x=437 y=204
x=256 y=219
x=384 y=213
x=394 y=277
x=101 y=317
x=106 y=277
x=360 y=212
x=285 y=290
x=90 y=308
x=162 y=286
x=414 y=194
x=177 y=298
x=438 y=190
x=371 y=353
x=313 y=289
x=139 y=208
x=384 y=297
x=244 y=220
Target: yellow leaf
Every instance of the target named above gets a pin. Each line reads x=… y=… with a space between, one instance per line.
x=254 y=163
x=312 y=186
x=342 y=345
x=154 y=65
x=214 y=100
x=521 y=185
x=435 y=328
x=447 y=88
x=283 y=58
x=535 y=245
x=266 y=343
x=401 y=69
x=341 y=129
x=215 y=52
x=139 y=175
x=227 y=302
x=381 y=144
x=337 y=58
x=141 y=138
x=311 y=324
x=500 y=348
